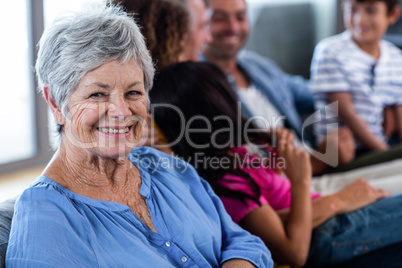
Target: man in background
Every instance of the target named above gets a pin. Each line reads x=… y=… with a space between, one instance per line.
x=199 y=28
x=273 y=97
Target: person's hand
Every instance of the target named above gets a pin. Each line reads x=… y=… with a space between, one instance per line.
x=358 y=194
x=277 y=134
x=281 y=132
x=297 y=162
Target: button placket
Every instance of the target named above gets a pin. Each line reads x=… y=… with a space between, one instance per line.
x=182 y=259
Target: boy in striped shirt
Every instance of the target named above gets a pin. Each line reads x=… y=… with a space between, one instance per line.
x=362 y=72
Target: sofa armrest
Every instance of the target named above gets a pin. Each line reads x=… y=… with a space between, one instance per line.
x=6 y=215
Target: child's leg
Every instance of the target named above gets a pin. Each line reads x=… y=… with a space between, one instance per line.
x=351 y=235
x=389 y=256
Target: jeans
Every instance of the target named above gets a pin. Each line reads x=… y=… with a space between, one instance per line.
x=386 y=257
x=348 y=236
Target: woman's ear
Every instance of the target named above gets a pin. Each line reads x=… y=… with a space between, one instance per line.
x=54 y=108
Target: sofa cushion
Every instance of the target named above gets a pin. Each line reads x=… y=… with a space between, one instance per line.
x=6 y=214
x=289 y=42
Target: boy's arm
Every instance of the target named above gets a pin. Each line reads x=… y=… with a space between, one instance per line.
x=350 y=118
x=390 y=122
x=399 y=120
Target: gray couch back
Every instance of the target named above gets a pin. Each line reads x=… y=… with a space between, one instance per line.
x=6 y=215
x=289 y=42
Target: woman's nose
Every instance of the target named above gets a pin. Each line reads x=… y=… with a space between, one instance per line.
x=119 y=108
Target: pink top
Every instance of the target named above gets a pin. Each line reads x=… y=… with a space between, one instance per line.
x=273 y=188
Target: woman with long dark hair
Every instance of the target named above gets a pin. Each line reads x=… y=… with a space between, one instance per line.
x=199 y=114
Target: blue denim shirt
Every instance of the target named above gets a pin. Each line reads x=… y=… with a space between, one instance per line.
x=54 y=227
x=291 y=95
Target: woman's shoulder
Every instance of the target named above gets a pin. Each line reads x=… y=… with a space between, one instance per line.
x=152 y=160
x=41 y=197
x=43 y=217
x=169 y=174
x=41 y=189
x=161 y=166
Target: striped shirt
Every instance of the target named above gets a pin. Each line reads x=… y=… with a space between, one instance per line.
x=339 y=65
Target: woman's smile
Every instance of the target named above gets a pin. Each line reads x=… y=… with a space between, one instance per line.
x=108 y=108
x=114 y=131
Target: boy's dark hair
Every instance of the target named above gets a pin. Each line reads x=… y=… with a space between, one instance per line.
x=391 y=4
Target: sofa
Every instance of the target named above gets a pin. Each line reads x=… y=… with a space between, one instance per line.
x=6 y=214
x=289 y=42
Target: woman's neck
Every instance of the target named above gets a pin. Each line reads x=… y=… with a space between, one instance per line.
x=92 y=176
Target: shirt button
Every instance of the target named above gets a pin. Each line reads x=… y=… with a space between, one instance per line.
x=183 y=259
x=167 y=244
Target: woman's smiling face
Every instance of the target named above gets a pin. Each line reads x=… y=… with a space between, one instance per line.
x=107 y=109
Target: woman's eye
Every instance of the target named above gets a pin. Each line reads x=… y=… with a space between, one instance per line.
x=134 y=93
x=96 y=95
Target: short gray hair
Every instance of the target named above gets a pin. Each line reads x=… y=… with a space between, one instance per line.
x=82 y=41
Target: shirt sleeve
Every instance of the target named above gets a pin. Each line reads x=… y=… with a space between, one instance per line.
x=326 y=72
x=245 y=199
x=41 y=236
x=236 y=242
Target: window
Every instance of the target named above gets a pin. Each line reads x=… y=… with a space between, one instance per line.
x=17 y=138
x=54 y=8
x=24 y=135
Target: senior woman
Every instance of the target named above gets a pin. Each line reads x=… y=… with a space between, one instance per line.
x=100 y=203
